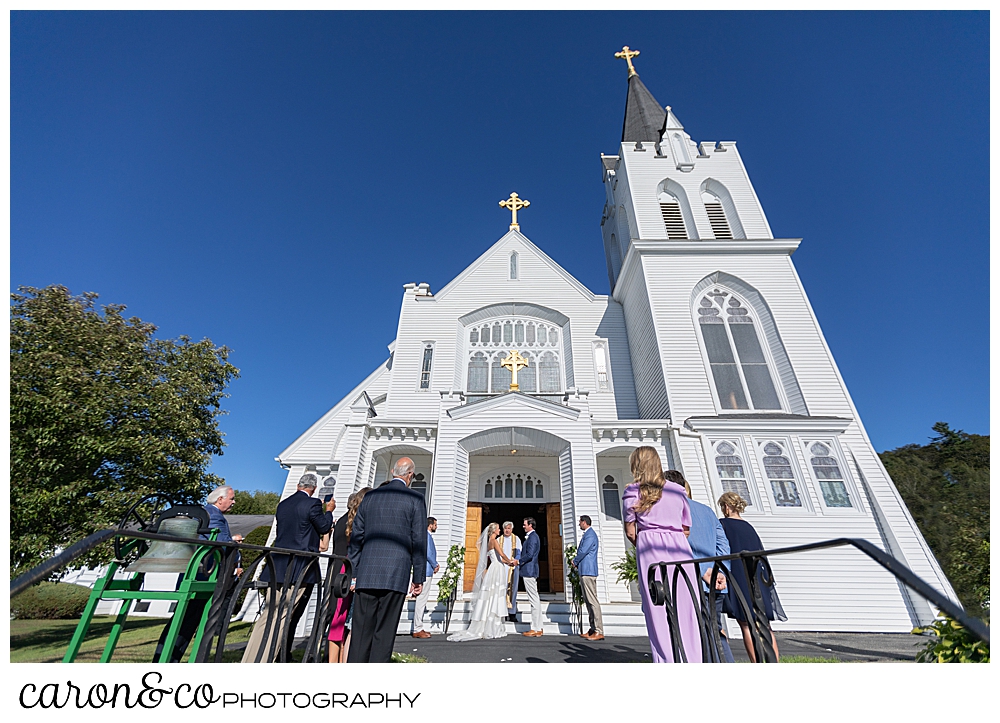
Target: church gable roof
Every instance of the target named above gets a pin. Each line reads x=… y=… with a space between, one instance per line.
x=513 y=400
x=516 y=238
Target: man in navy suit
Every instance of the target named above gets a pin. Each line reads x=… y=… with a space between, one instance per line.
x=528 y=564
x=301 y=521
x=388 y=540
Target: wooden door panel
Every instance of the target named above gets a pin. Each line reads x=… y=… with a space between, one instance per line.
x=553 y=518
x=473 y=528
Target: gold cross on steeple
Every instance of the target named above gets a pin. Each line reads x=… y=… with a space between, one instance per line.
x=627 y=53
x=514 y=361
x=515 y=204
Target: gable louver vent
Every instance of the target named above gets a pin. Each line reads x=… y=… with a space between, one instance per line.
x=673 y=220
x=717 y=217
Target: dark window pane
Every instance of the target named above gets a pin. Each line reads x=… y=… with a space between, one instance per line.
x=501 y=377
x=508 y=333
x=786 y=494
x=531 y=333
x=612 y=502
x=747 y=344
x=761 y=388
x=727 y=383
x=717 y=343
x=479 y=370
x=519 y=333
x=549 y=371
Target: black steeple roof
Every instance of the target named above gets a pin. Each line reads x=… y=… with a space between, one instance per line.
x=644 y=116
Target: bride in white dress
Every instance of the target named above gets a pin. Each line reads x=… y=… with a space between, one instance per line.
x=489 y=592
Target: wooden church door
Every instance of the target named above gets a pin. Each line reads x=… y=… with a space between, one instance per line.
x=553 y=519
x=473 y=528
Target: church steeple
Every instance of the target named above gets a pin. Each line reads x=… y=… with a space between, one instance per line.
x=644 y=116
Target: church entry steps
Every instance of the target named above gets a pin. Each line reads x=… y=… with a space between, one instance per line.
x=620 y=619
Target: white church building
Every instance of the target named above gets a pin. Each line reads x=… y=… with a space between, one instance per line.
x=706 y=348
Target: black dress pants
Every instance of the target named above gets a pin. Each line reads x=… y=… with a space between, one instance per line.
x=373 y=627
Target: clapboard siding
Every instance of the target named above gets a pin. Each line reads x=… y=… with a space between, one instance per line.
x=647 y=368
x=641 y=173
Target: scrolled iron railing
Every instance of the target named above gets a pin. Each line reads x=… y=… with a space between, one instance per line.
x=334 y=583
x=754 y=610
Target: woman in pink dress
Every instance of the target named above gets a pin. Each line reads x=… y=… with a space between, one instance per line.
x=657 y=519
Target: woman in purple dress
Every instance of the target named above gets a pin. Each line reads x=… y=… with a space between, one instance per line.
x=657 y=518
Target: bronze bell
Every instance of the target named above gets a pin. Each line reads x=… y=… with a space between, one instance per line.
x=165 y=556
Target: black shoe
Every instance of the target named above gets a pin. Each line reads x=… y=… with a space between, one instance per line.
x=512 y=618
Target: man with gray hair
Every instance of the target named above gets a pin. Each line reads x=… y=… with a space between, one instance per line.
x=511 y=545
x=218 y=503
x=301 y=522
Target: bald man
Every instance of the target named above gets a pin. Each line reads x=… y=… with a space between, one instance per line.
x=388 y=545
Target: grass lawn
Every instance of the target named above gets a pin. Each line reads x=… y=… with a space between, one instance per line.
x=45 y=641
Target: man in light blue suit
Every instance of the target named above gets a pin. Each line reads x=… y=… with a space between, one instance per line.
x=420 y=606
x=585 y=563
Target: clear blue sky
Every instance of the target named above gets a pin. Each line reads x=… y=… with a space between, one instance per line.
x=270 y=181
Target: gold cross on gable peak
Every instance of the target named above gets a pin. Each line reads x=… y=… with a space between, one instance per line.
x=514 y=362
x=515 y=204
x=627 y=53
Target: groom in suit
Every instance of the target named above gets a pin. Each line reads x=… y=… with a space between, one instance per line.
x=529 y=573
x=388 y=540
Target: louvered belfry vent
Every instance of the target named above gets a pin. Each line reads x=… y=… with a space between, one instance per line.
x=673 y=220
x=717 y=217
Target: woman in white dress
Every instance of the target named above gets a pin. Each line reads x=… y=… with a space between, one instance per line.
x=489 y=592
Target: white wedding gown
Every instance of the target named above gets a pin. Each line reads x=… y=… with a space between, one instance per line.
x=489 y=605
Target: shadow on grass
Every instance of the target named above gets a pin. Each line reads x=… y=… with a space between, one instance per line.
x=45 y=641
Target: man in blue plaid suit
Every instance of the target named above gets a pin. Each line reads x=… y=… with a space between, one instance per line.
x=388 y=541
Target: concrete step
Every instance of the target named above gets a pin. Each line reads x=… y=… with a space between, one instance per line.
x=620 y=619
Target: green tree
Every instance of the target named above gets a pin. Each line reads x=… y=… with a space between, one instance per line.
x=946 y=487
x=101 y=414
x=257 y=502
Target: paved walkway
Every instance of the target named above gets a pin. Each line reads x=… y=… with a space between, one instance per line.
x=854 y=647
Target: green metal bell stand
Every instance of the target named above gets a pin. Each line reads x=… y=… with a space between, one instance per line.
x=128 y=590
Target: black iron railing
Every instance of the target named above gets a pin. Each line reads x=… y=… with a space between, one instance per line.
x=279 y=597
x=664 y=591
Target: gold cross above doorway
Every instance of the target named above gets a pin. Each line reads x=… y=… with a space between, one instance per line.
x=514 y=361
x=515 y=204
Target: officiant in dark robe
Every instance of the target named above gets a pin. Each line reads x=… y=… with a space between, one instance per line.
x=511 y=545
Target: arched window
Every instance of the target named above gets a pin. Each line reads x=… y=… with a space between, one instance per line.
x=739 y=368
x=831 y=480
x=508 y=487
x=548 y=370
x=479 y=373
x=778 y=468
x=732 y=473
x=488 y=491
x=612 y=498
x=491 y=340
x=716 y=215
x=529 y=486
x=518 y=486
x=513 y=265
x=673 y=216
x=539 y=492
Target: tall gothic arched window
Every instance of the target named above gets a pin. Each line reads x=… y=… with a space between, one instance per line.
x=732 y=472
x=513 y=265
x=740 y=368
x=479 y=373
x=778 y=468
x=831 y=479
x=673 y=218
